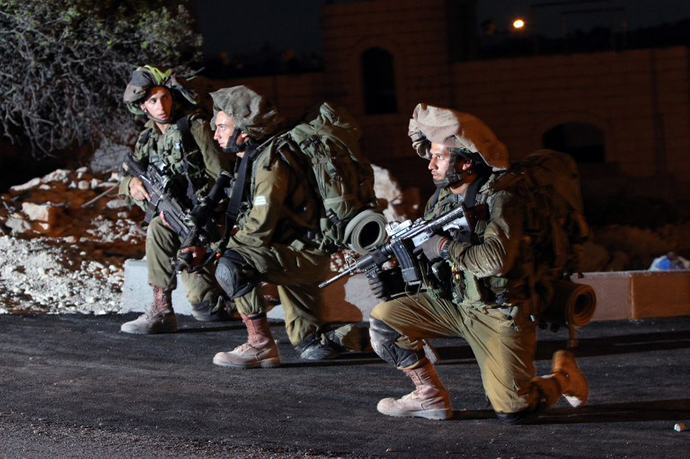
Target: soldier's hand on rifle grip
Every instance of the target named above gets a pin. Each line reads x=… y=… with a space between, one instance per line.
x=436 y=248
x=197 y=254
x=165 y=222
x=137 y=190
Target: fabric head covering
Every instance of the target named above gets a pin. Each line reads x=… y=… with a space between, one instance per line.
x=147 y=77
x=252 y=113
x=455 y=130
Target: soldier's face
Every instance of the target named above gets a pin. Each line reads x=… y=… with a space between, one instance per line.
x=440 y=161
x=158 y=103
x=225 y=126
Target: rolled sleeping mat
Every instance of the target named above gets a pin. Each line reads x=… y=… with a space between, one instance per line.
x=573 y=304
x=366 y=231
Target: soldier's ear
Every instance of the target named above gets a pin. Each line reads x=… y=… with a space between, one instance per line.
x=243 y=137
x=464 y=164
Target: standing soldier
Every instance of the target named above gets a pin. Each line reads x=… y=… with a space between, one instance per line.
x=180 y=145
x=482 y=296
x=277 y=241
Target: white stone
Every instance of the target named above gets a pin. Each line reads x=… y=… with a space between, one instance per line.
x=27 y=186
x=58 y=175
x=117 y=204
x=39 y=212
x=18 y=225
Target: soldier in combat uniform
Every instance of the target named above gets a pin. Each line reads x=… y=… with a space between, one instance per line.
x=178 y=142
x=277 y=239
x=482 y=294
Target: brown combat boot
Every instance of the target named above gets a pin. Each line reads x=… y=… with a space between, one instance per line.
x=159 y=319
x=260 y=350
x=573 y=384
x=429 y=400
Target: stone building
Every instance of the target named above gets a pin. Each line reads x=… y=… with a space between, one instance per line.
x=624 y=115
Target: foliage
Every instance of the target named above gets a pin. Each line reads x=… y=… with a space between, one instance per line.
x=64 y=65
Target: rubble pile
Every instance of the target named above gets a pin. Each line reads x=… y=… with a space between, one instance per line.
x=65 y=237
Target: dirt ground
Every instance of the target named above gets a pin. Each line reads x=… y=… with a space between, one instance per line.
x=73 y=386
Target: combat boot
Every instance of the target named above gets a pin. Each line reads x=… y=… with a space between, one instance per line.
x=573 y=384
x=260 y=350
x=159 y=319
x=429 y=400
x=209 y=311
x=318 y=347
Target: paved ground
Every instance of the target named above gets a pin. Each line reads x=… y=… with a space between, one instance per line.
x=74 y=386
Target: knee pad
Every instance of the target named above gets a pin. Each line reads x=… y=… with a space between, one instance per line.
x=383 y=340
x=235 y=275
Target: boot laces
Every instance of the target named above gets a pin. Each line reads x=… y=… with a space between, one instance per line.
x=244 y=347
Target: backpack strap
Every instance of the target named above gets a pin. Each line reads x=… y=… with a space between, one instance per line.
x=240 y=186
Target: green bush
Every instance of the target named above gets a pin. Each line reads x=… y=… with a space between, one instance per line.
x=64 y=65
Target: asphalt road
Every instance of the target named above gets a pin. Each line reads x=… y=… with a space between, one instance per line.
x=73 y=386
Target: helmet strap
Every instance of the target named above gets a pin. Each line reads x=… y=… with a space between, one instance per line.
x=233 y=146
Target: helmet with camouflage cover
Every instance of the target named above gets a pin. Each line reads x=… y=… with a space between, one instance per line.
x=252 y=113
x=147 y=77
x=462 y=133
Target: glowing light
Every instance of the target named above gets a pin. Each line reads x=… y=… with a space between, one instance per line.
x=518 y=23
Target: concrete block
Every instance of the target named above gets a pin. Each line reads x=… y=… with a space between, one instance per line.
x=347 y=300
x=613 y=294
x=660 y=294
x=137 y=294
x=622 y=295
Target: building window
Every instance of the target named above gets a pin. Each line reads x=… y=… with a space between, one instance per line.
x=378 y=76
x=585 y=142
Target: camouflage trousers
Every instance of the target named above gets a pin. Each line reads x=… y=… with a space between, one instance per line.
x=503 y=341
x=162 y=245
x=296 y=273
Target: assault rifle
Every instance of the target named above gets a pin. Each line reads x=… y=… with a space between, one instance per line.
x=194 y=226
x=404 y=241
x=156 y=185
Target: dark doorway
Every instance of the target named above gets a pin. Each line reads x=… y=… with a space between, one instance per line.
x=585 y=142
x=378 y=76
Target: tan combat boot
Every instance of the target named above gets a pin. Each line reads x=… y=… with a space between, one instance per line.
x=429 y=400
x=573 y=384
x=260 y=350
x=159 y=319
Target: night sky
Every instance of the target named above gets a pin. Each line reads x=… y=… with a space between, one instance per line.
x=243 y=26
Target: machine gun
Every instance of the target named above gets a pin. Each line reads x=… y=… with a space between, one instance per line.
x=195 y=226
x=403 y=243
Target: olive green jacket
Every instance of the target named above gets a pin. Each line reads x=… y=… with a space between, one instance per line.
x=205 y=160
x=280 y=206
x=491 y=269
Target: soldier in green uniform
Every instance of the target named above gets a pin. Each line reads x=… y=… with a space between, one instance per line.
x=482 y=294
x=178 y=142
x=277 y=240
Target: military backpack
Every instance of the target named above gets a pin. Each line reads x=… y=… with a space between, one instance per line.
x=555 y=228
x=342 y=177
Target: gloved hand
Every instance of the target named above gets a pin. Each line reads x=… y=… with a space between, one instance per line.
x=377 y=287
x=433 y=248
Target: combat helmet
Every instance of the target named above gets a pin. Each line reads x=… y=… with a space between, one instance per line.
x=463 y=133
x=251 y=112
x=147 y=77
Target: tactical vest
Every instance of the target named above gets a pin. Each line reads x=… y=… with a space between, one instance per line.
x=177 y=156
